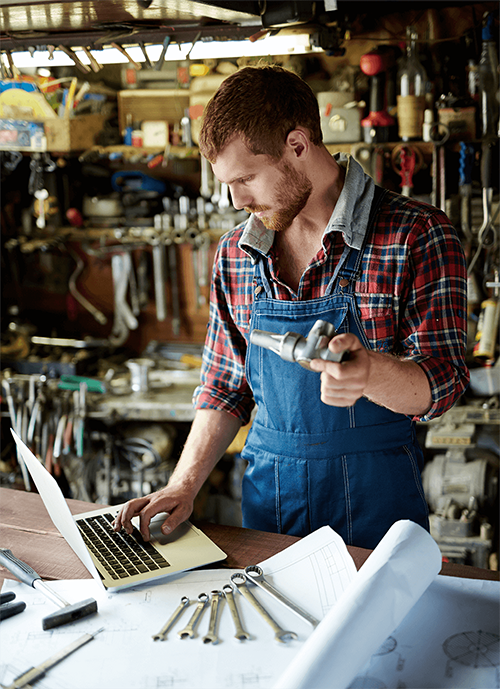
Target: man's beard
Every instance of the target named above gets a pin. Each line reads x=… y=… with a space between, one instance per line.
x=293 y=191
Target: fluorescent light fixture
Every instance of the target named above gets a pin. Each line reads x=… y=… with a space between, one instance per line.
x=290 y=44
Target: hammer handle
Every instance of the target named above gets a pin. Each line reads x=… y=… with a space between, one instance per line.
x=18 y=568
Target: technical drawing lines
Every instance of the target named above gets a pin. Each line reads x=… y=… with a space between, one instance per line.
x=475 y=649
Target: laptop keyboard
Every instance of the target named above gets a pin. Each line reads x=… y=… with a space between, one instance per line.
x=121 y=555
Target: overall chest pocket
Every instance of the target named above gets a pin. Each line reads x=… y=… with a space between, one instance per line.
x=379 y=318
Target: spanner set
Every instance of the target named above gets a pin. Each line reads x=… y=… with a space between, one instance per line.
x=239 y=583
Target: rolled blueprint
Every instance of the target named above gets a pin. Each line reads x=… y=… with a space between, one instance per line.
x=383 y=591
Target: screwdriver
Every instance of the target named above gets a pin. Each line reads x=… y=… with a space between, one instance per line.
x=36 y=673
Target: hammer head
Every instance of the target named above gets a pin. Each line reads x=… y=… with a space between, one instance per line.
x=70 y=613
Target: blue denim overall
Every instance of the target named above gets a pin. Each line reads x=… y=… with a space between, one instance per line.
x=311 y=464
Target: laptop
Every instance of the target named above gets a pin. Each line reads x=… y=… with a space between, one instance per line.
x=116 y=559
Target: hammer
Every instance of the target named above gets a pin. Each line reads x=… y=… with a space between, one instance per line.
x=68 y=613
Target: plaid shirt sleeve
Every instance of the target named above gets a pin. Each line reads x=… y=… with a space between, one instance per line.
x=223 y=382
x=420 y=262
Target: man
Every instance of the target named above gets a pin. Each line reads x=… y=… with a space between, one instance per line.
x=335 y=445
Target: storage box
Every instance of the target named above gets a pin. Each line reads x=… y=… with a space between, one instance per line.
x=73 y=133
x=167 y=105
x=22 y=135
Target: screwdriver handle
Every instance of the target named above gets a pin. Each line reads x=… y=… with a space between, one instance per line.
x=18 y=568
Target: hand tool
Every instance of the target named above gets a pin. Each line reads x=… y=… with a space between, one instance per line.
x=78 y=63
x=296 y=348
x=69 y=612
x=240 y=581
x=240 y=633
x=465 y=187
x=161 y=59
x=146 y=57
x=35 y=673
x=215 y=600
x=159 y=264
x=406 y=161
x=162 y=634
x=121 y=49
x=255 y=574
x=98 y=315
x=41 y=196
x=439 y=134
x=93 y=62
x=13 y=417
x=174 y=289
x=190 y=629
x=7 y=607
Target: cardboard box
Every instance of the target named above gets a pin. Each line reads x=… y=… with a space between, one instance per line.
x=167 y=105
x=73 y=133
x=22 y=135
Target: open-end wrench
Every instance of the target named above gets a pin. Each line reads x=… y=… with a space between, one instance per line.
x=240 y=633
x=189 y=629
x=255 y=574
x=211 y=636
x=240 y=581
x=162 y=634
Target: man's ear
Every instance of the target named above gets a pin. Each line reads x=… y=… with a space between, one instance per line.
x=298 y=142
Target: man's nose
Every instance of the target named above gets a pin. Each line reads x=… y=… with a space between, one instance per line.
x=240 y=198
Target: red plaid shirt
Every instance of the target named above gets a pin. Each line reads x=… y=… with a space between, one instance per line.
x=412 y=298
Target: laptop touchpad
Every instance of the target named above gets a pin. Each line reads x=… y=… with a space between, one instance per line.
x=183 y=531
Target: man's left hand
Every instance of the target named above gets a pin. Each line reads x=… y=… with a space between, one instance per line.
x=342 y=384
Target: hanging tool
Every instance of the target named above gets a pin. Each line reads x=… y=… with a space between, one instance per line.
x=162 y=634
x=14 y=420
x=146 y=58
x=439 y=134
x=406 y=161
x=121 y=49
x=174 y=288
x=69 y=612
x=78 y=63
x=255 y=574
x=93 y=62
x=98 y=315
x=161 y=59
x=240 y=582
x=376 y=64
x=35 y=673
x=302 y=350
x=465 y=187
x=8 y=608
x=159 y=275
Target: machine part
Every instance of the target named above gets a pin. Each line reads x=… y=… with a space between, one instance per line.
x=296 y=348
x=451 y=477
x=69 y=613
x=162 y=634
x=35 y=673
x=255 y=574
x=239 y=632
x=189 y=630
x=240 y=581
x=215 y=601
x=139 y=373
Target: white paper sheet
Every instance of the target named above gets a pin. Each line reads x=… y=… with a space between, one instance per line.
x=313 y=572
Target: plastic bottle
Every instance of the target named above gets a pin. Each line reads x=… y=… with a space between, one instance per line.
x=488 y=82
x=412 y=80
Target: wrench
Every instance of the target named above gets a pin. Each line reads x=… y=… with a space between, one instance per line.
x=211 y=636
x=162 y=634
x=240 y=581
x=255 y=574
x=240 y=633
x=189 y=629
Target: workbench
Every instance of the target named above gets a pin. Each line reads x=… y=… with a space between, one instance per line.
x=27 y=530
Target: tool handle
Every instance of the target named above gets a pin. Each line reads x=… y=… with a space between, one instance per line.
x=17 y=567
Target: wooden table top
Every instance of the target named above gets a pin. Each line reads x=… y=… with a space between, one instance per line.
x=27 y=530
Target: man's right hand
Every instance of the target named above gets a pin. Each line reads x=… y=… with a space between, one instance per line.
x=178 y=509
